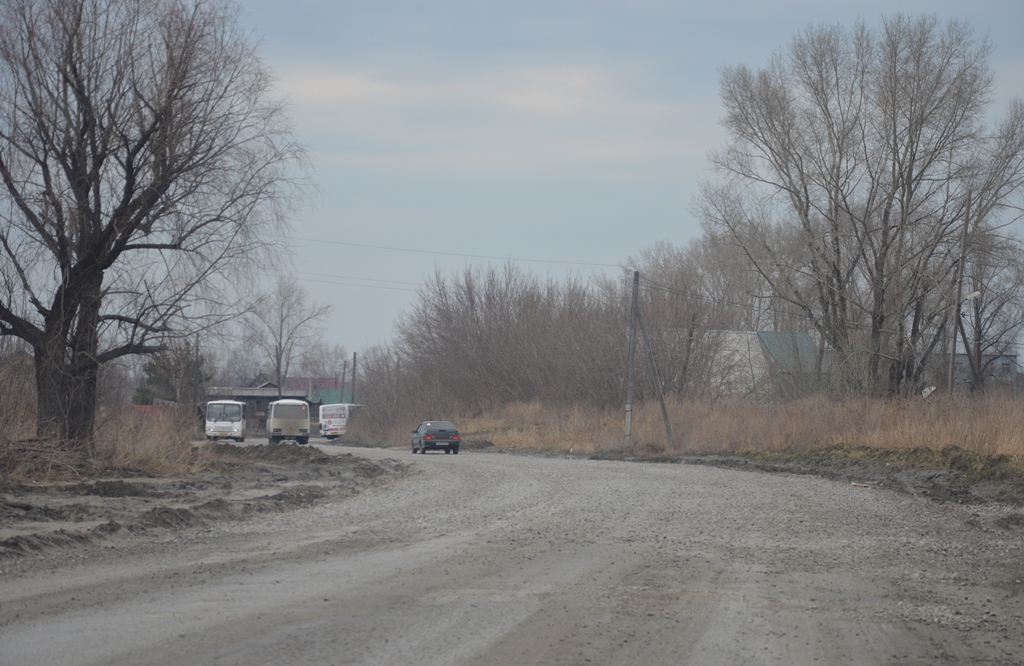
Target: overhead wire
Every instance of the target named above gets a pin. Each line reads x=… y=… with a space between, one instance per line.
x=352 y=284
x=458 y=254
x=324 y=278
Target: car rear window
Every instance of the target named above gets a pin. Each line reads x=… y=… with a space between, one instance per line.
x=441 y=425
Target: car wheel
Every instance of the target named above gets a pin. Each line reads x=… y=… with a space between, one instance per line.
x=302 y=440
x=447 y=450
x=240 y=439
x=455 y=450
x=414 y=449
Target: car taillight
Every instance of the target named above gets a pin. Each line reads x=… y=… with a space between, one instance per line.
x=455 y=438
x=428 y=437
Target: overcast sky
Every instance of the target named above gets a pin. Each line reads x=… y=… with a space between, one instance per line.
x=564 y=135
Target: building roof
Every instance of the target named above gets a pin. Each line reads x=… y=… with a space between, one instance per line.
x=269 y=391
x=303 y=383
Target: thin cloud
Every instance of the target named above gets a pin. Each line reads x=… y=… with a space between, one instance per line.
x=505 y=118
x=544 y=92
x=325 y=91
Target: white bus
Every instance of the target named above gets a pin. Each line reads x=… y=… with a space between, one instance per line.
x=288 y=419
x=334 y=420
x=225 y=419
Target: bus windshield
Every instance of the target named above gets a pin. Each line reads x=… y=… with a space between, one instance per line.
x=223 y=412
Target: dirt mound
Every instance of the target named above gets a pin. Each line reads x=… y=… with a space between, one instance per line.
x=278 y=452
x=241 y=482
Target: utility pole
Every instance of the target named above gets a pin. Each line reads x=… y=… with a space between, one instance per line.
x=344 y=376
x=657 y=378
x=353 y=377
x=959 y=292
x=634 y=309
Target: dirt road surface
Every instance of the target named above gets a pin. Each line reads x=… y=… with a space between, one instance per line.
x=489 y=558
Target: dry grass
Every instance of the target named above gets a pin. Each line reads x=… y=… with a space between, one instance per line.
x=989 y=425
x=361 y=432
x=17 y=406
x=536 y=426
x=154 y=440
x=150 y=442
x=35 y=460
x=157 y=441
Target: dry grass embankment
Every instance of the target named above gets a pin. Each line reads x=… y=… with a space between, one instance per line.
x=992 y=425
x=156 y=440
x=159 y=441
x=140 y=441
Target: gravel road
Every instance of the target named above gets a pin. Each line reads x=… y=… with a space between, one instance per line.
x=488 y=558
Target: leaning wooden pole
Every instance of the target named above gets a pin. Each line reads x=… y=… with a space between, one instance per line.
x=657 y=378
x=634 y=309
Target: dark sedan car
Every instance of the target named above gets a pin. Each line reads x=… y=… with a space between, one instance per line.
x=435 y=435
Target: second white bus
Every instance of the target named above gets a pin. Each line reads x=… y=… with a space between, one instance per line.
x=288 y=419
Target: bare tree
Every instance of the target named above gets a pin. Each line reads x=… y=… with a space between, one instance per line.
x=236 y=365
x=177 y=374
x=994 y=318
x=284 y=327
x=142 y=164
x=323 y=359
x=389 y=395
x=846 y=178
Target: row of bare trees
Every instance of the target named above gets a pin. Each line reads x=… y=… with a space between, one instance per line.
x=860 y=165
x=488 y=337
x=497 y=335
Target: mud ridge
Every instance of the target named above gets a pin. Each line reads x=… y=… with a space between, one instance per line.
x=242 y=481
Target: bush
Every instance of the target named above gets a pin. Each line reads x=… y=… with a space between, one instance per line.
x=155 y=438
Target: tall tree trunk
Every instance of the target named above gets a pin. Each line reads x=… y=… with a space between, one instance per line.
x=67 y=374
x=66 y=395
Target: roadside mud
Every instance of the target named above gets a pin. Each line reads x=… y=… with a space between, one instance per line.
x=241 y=482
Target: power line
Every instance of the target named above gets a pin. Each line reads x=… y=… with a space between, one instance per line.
x=352 y=277
x=351 y=284
x=457 y=254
